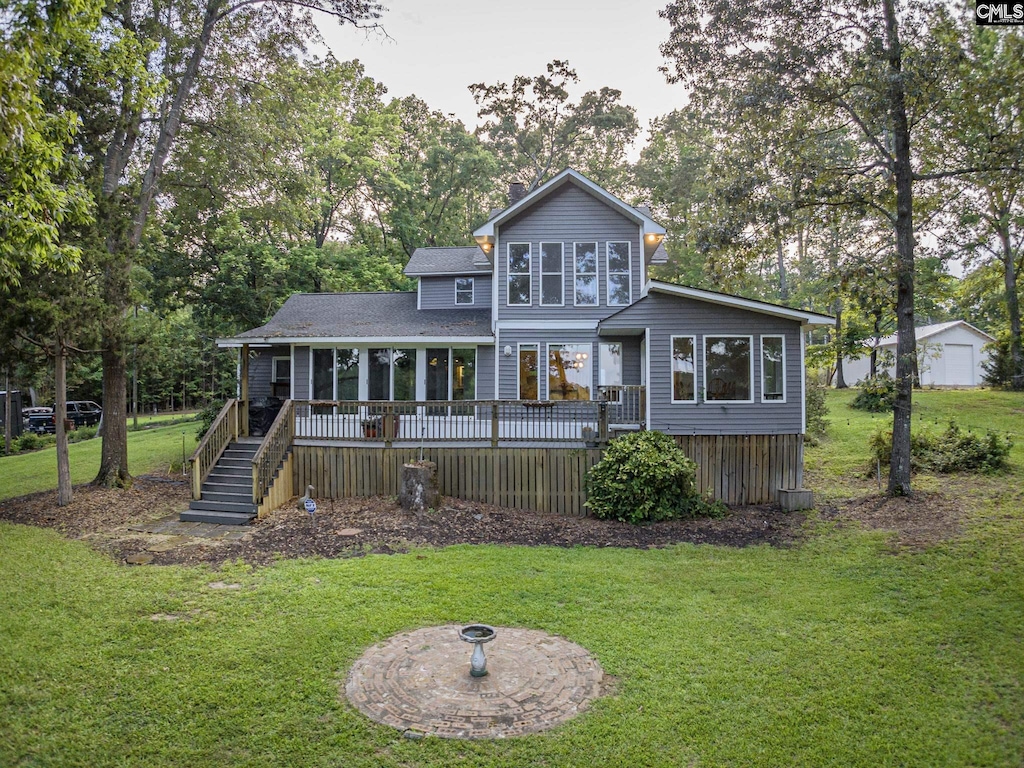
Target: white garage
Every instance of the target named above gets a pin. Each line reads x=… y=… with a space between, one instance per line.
x=948 y=355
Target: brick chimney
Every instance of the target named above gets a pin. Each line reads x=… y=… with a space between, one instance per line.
x=516 y=192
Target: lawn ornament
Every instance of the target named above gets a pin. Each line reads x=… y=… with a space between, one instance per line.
x=307 y=503
x=477 y=635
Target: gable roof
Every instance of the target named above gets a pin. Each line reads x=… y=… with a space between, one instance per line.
x=354 y=317
x=570 y=176
x=802 y=316
x=928 y=331
x=459 y=260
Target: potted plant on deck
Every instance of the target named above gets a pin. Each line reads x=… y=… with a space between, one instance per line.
x=373 y=426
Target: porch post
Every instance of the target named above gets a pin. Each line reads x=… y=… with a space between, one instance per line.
x=243 y=416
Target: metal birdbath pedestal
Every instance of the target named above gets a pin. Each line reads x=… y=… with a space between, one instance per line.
x=477 y=635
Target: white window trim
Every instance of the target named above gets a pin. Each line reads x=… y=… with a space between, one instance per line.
x=547 y=367
x=560 y=273
x=750 y=371
x=597 y=274
x=671 y=368
x=782 y=337
x=472 y=292
x=509 y=273
x=519 y=357
x=628 y=273
x=451 y=372
x=601 y=346
x=273 y=366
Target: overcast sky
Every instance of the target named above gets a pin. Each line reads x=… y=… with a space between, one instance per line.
x=439 y=47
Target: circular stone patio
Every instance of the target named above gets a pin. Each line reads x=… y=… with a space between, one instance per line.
x=419 y=681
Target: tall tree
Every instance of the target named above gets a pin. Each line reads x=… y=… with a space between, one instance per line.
x=535 y=129
x=183 y=43
x=859 y=69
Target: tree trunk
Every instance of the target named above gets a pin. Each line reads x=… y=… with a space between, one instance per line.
x=1012 y=305
x=60 y=415
x=781 y=258
x=906 y=345
x=840 y=378
x=7 y=412
x=114 y=455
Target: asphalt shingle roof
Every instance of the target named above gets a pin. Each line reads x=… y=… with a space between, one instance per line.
x=368 y=315
x=445 y=261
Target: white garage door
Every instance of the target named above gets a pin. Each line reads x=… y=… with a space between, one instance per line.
x=960 y=365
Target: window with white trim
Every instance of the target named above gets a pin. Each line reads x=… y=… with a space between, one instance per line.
x=281 y=377
x=620 y=283
x=551 y=274
x=585 y=274
x=773 y=369
x=684 y=369
x=728 y=370
x=528 y=372
x=519 y=270
x=463 y=290
x=570 y=371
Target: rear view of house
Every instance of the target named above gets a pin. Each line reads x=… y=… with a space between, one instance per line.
x=516 y=359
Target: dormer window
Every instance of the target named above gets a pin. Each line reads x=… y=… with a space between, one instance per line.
x=519 y=272
x=463 y=290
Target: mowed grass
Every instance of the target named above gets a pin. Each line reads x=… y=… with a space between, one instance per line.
x=837 y=652
x=148 y=451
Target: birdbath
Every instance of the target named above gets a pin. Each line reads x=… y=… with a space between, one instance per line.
x=477 y=635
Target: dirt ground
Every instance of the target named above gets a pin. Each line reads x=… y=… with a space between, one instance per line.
x=354 y=527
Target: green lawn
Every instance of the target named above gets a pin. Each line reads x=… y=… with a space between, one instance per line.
x=833 y=653
x=148 y=451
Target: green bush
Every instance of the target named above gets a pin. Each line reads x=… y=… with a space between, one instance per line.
x=951 y=451
x=30 y=441
x=876 y=395
x=207 y=416
x=817 y=410
x=645 y=476
x=82 y=433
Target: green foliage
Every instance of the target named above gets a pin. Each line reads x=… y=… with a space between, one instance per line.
x=951 y=451
x=817 y=410
x=998 y=367
x=80 y=434
x=876 y=395
x=644 y=477
x=30 y=441
x=207 y=416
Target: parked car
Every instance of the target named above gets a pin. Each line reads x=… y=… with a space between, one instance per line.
x=81 y=413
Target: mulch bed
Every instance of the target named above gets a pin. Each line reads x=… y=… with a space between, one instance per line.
x=102 y=517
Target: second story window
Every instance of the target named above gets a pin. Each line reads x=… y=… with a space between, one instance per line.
x=551 y=274
x=585 y=266
x=463 y=290
x=619 y=282
x=519 y=292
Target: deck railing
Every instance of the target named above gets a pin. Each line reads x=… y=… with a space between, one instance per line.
x=498 y=422
x=275 y=445
x=223 y=430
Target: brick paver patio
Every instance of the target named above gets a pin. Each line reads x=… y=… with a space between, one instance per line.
x=419 y=682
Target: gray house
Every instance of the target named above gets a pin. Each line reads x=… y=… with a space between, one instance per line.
x=547 y=335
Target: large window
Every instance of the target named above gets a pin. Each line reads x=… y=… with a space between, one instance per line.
x=463 y=290
x=773 y=369
x=727 y=368
x=323 y=374
x=585 y=273
x=610 y=362
x=281 y=377
x=404 y=362
x=464 y=374
x=570 y=371
x=528 y=372
x=684 y=380
x=619 y=280
x=551 y=274
x=378 y=374
x=519 y=292
x=348 y=374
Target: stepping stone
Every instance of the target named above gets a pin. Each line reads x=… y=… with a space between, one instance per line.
x=168 y=544
x=350 y=531
x=139 y=559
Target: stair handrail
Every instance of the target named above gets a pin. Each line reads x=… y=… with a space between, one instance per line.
x=222 y=431
x=272 y=451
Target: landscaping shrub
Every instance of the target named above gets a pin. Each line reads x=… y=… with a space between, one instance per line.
x=817 y=410
x=952 y=451
x=645 y=476
x=206 y=417
x=82 y=433
x=30 y=441
x=876 y=395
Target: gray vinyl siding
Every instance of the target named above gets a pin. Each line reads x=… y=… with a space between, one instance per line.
x=567 y=216
x=669 y=316
x=300 y=373
x=485 y=373
x=508 y=367
x=261 y=370
x=439 y=292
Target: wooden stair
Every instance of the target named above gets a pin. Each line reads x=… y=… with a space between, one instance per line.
x=227 y=490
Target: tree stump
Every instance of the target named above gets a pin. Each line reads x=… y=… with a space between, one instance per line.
x=418 y=491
